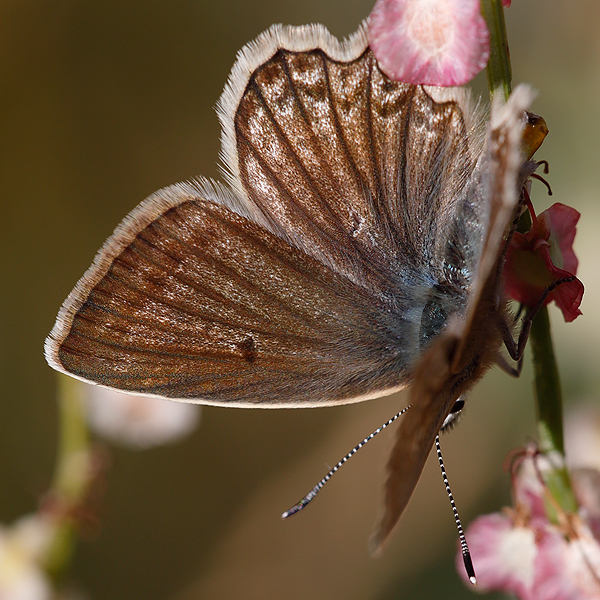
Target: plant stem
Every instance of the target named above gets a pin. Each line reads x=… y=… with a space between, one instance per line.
x=498 y=70
x=73 y=442
x=547 y=385
x=71 y=475
x=548 y=392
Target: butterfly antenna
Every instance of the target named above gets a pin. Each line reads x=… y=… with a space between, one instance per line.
x=310 y=496
x=463 y=540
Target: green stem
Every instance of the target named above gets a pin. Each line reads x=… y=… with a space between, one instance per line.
x=71 y=475
x=546 y=379
x=547 y=385
x=548 y=393
x=73 y=442
x=498 y=70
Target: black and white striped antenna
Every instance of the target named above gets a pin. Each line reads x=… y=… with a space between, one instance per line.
x=450 y=420
x=310 y=496
x=461 y=535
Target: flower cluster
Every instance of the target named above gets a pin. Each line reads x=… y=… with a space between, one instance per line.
x=40 y=543
x=521 y=551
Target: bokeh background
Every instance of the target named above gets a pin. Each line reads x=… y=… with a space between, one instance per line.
x=102 y=103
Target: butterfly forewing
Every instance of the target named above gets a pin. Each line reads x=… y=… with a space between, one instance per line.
x=359 y=171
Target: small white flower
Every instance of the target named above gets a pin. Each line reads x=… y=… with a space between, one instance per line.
x=138 y=421
x=22 y=547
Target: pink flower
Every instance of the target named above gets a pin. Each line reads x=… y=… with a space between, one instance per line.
x=528 y=490
x=520 y=552
x=532 y=561
x=506 y=3
x=503 y=555
x=433 y=42
x=566 y=566
x=543 y=255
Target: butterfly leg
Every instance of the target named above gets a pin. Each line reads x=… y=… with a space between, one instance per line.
x=508 y=368
x=514 y=348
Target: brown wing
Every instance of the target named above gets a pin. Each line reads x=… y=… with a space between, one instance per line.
x=460 y=355
x=190 y=300
x=308 y=282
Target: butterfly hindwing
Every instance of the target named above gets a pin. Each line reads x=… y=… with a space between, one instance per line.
x=190 y=300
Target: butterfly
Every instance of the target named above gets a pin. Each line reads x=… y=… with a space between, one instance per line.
x=356 y=248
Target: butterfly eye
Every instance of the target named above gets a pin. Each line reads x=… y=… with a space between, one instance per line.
x=433 y=319
x=452 y=419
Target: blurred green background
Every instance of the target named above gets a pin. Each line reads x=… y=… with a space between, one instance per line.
x=101 y=104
